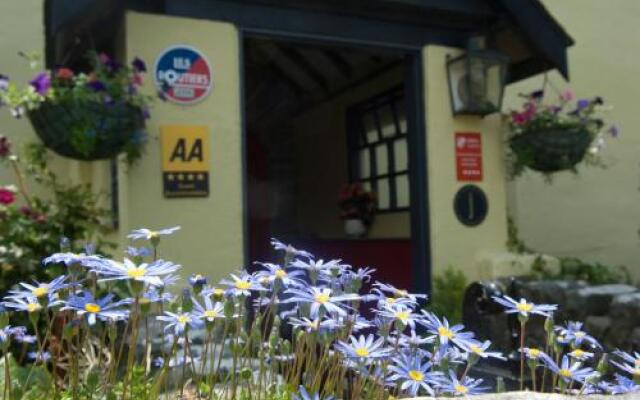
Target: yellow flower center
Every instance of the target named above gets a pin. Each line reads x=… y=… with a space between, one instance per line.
x=136 y=272
x=144 y=300
x=534 y=353
x=524 y=307
x=243 y=285
x=31 y=307
x=444 y=331
x=362 y=352
x=184 y=319
x=565 y=373
x=153 y=235
x=475 y=349
x=314 y=325
x=579 y=334
x=280 y=273
x=322 y=298
x=461 y=389
x=636 y=372
x=391 y=300
x=40 y=291
x=577 y=353
x=211 y=314
x=416 y=375
x=218 y=292
x=402 y=293
x=92 y=308
x=402 y=316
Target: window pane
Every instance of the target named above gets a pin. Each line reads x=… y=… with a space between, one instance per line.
x=400 y=154
x=382 y=160
x=370 y=129
x=387 y=124
x=383 y=194
x=366 y=186
x=402 y=116
x=364 y=163
x=402 y=190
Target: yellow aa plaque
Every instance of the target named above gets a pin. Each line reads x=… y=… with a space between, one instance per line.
x=185 y=160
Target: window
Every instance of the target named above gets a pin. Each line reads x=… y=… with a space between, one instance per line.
x=377 y=140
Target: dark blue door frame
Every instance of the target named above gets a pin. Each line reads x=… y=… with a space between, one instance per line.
x=419 y=207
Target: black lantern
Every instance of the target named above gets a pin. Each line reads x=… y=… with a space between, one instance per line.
x=476 y=81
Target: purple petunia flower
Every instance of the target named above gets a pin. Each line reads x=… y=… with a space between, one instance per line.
x=4 y=82
x=97 y=86
x=582 y=104
x=139 y=65
x=41 y=83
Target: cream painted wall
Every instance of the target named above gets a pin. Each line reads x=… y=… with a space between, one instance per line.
x=322 y=164
x=451 y=242
x=210 y=241
x=596 y=214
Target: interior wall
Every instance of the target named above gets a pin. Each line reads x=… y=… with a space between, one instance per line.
x=453 y=243
x=211 y=239
x=322 y=164
x=592 y=215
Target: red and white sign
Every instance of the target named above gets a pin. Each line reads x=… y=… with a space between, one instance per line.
x=469 y=156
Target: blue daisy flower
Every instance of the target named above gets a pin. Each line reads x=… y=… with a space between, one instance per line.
x=211 y=310
x=411 y=375
x=179 y=322
x=568 y=371
x=151 y=235
x=523 y=307
x=321 y=300
x=242 y=284
x=445 y=333
x=290 y=250
x=105 y=308
x=363 y=348
x=150 y=273
x=462 y=387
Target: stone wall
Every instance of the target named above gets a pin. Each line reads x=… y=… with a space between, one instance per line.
x=611 y=313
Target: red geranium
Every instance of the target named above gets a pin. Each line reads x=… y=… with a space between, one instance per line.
x=64 y=73
x=7 y=196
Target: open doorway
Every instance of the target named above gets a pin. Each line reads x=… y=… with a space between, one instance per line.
x=318 y=117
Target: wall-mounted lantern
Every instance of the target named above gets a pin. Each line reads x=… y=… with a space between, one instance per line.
x=476 y=81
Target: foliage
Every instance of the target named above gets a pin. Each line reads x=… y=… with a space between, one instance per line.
x=554 y=118
x=31 y=227
x=571 y=268
x=107 y=82
x=355 y=202
x=574 y=269
x=448 y=293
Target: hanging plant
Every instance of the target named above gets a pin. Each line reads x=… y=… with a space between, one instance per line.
x=549 y=137
x=84 y=116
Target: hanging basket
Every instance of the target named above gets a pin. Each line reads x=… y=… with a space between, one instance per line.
x=86 y=130
x=550 y=151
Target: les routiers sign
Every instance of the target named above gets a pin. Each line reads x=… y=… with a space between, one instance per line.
x=183 y=75
x=185 y=160
x=468 y=156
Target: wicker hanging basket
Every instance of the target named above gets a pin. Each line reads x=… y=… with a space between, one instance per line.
x=86 y=130
x=550 y=151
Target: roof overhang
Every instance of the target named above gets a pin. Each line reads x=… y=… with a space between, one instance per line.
x=522 y=29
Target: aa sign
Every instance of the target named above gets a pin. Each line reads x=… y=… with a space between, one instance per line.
x=185 y=160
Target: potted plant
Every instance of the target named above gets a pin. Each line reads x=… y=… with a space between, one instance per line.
x=357 y=209
x=84 y=116
x=555 y=136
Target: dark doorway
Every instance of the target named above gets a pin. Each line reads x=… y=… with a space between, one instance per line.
x=318 y=117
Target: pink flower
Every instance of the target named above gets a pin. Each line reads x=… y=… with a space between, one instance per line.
x=6 y=196
x=567 y=95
